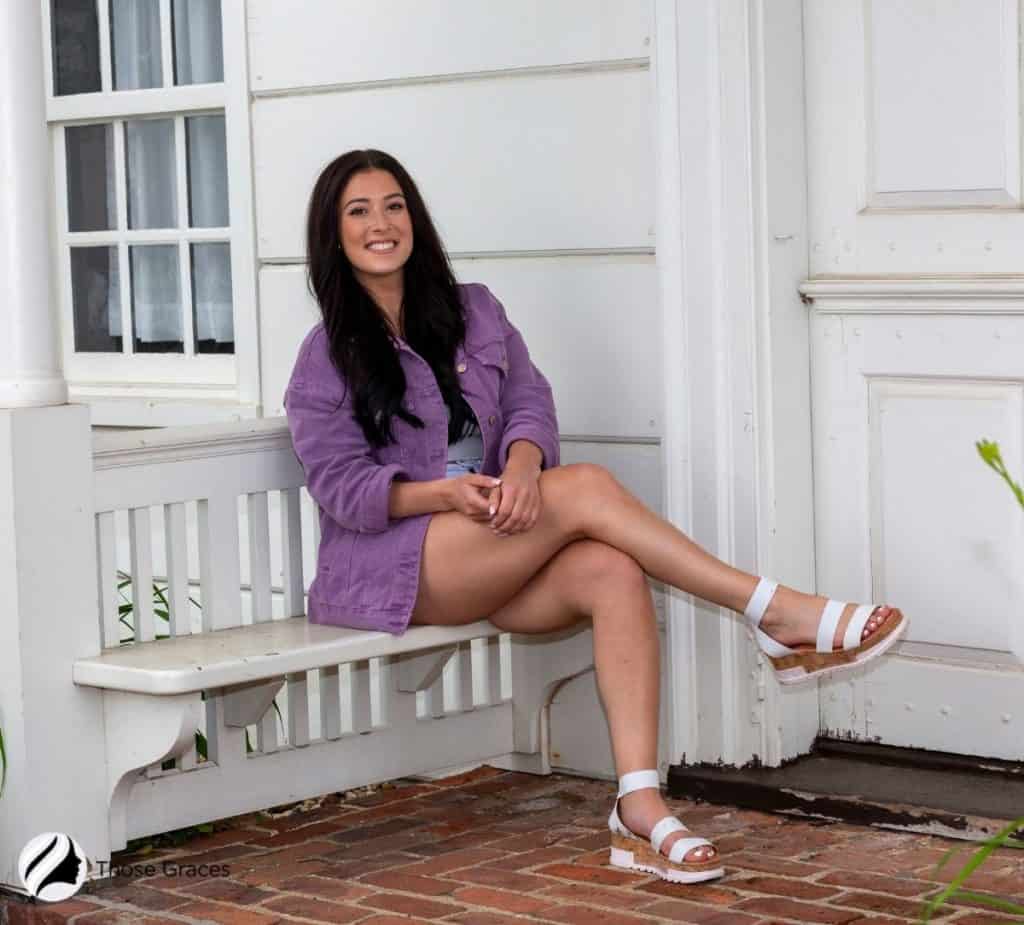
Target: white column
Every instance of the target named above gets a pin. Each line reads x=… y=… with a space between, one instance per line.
x=53 y=731
x=731 y=251
x=30 y=372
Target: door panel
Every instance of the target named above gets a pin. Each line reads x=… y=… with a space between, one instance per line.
x=907 y=513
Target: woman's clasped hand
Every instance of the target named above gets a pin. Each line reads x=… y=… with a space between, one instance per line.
x=509 y=505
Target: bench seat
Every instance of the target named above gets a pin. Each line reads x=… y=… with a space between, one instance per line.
x=255 y=652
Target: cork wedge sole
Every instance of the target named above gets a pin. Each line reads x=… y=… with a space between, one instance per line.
x=806 y=664
x=637 y=854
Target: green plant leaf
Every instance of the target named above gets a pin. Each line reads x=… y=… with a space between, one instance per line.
x=201 y=745
x=1001 y=838
x=989 y=452
x=995 y=902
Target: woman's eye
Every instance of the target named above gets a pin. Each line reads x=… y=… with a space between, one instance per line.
x=358 y=210
x=398 y=206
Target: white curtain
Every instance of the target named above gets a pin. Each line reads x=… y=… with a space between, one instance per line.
x=198 y=45
x=135 y=31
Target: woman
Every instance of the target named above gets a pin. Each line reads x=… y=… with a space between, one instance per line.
x=428 y=438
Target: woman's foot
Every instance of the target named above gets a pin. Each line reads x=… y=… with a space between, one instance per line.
x=792 y=619
x=641 y=810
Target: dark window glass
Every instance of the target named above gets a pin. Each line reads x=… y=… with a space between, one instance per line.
x=89 y=151
x=75 y=41
x=96 y=297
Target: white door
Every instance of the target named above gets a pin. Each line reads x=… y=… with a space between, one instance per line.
x=917 y=336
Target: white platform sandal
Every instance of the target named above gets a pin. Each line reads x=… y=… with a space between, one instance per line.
x=805 y=663
x=632 y=852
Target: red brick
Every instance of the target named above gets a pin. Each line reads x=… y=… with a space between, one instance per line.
x=605 y=875
x=110 y=917
x=274 y=876
x=227 y=891
x=803 y=912
x=37 y=913
x=410 y=905
x=392 y=920
x=677 y=910
x=411 y=883
x=887 y=905
x=325 y=887
x=296 y=836
x=502 y=879
x=474 y=917
x=343 y=870
x=501 y=899
x=466 y=840
x=533 y=858
x=732 y=918
x=451 y=861
x=283 y=856
x=785 y=868
x=877 y=883
x=591 y=842
x=576 y=893
x=590 y=915
x=318 y=910
x=779 y=886
x=707 y=894
x=227 y=915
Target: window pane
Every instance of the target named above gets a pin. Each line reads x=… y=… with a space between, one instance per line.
x=207 y=172
x=211 y=298
x=152 y=187
x=96 y=297
x=198 y=48
x=156 y=298
x=135 y=44
x=76 y=47
x=89 y=151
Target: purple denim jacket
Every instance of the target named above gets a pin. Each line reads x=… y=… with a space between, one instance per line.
x=369 y=563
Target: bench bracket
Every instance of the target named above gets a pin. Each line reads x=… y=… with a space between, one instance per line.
x=245 y=704
x=142 y=730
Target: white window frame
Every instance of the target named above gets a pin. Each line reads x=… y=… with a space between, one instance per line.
x=157 y=389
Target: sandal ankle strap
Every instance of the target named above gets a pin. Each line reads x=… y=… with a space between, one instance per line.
x=638 y=780
x=759 y=600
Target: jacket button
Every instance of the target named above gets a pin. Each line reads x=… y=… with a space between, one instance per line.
x=461 y=367
x=490 y=420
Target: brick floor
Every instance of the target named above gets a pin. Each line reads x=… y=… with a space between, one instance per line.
x=494 y=848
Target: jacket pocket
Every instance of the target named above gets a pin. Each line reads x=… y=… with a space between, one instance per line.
x=334 y=563
x=490 y=362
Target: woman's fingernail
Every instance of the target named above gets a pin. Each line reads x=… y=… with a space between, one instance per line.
x=491 y=511
x=497 y=481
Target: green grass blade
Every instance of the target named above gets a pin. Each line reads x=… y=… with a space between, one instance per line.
x=1001 y=838
x=994 y=902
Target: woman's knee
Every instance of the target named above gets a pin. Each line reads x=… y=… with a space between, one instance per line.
x=575 y=491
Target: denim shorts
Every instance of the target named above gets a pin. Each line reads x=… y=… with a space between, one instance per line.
x=462 y=466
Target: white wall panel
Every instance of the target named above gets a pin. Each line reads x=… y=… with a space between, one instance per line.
x=913 y=137
x=943 y=92
x=590 y=324
x=966 y=538
x=906 y=512
x=322 y=42
x=534 y=163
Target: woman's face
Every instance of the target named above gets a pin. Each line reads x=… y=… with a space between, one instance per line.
x=375 y=228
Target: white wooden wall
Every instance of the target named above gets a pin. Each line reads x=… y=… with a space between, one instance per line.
x=914 y=144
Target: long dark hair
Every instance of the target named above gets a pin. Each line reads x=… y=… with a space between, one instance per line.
x=360 y=341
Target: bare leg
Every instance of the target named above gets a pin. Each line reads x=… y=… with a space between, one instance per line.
x=586 y=501
x=588 y=579
x=468 y=572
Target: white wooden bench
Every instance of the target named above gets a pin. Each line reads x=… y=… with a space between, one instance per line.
x=356 y=707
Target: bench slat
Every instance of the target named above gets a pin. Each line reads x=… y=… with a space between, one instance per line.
x=209 y=660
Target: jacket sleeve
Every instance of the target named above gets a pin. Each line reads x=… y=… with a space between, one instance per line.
x=341 y=474
x=527 y=403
